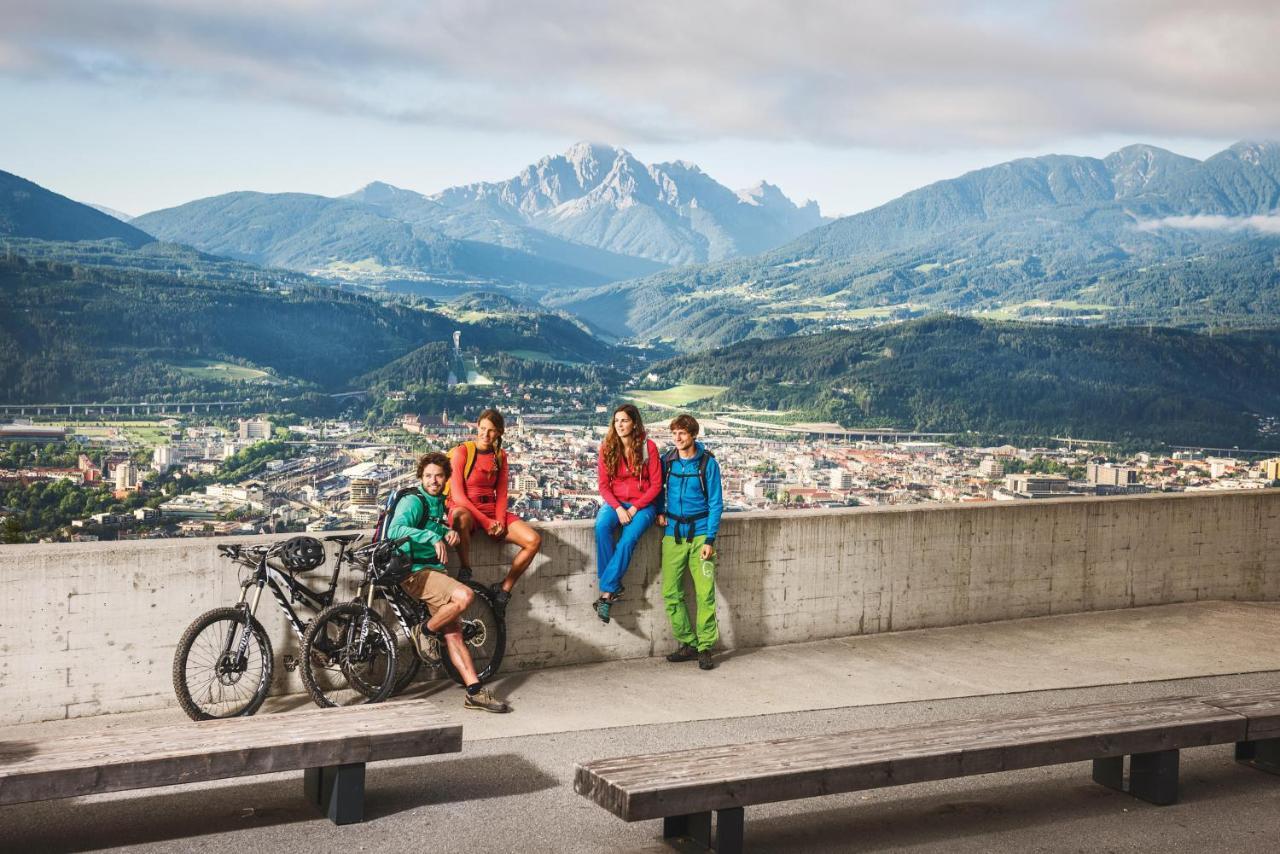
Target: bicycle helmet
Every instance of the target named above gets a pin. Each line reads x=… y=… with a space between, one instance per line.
x=301 y=554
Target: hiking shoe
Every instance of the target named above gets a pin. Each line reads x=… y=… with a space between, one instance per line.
x=500 y=598
x=485 y=702
x=426 y=642
x=684 y=653
x=602 y=607
x=704 y=660
x=464 y=574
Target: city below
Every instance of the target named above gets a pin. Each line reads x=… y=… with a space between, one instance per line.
x=204 y=474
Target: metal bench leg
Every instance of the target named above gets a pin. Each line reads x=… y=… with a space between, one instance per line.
x=729 y=831
x=1153 y=777
x=695 y=826
x=1109 y=772
x=1263 y=754
x=338 y=790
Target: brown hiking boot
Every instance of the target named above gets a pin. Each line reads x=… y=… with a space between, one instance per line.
x=485 y=702
x=704 y=660
x=684 y=653
x=426 y=642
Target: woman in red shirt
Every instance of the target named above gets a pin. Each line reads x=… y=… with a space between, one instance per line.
x=630 y=478
x=478 y=500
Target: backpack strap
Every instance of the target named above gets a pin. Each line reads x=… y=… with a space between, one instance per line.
x=707 y=456
x=469 y=463
x=668 y=458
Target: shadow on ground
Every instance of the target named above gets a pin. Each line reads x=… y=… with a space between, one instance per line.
x=175 y=813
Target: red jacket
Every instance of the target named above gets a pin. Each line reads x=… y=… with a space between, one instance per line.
x=484 y=492
x=639 y=489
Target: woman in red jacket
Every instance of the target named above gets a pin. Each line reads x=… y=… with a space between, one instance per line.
x=630 y=478
x=477 y=499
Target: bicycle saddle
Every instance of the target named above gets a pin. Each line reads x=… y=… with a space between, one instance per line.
x=344 y=539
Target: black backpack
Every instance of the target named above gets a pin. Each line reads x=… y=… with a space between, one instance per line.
x=388 y=512
x=670 y=457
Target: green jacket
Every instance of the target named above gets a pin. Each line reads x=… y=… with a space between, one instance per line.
x=424 y=521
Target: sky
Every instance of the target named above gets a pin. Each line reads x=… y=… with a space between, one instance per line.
x=144 y=104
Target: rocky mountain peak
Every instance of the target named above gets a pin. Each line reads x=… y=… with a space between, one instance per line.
x=1138 y=168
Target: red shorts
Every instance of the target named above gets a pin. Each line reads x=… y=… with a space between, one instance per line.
x=475 y=523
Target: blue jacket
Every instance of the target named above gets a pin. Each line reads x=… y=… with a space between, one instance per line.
x=683 y=497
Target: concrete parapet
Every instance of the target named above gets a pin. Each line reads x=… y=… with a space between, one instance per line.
x=90 y=628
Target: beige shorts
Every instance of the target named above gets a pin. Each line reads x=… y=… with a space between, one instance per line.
x=434 y=588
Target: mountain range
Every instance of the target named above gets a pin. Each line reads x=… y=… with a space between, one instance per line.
x=598 y=195
x=344 y=238
x=594 y=214
x=28 y=210
x=1141 y=235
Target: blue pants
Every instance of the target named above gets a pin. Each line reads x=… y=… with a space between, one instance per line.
x=612 y=560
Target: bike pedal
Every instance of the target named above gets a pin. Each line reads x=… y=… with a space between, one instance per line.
x=290 y=663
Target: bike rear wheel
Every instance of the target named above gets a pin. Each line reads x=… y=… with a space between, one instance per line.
x=348 y=657
x=211 y=676
x=485 y=634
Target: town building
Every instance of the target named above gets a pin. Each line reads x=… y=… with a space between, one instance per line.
x=253 y=429
x=1037 y=485
x=1105 y=474
x=364 y=491
x=991 y=468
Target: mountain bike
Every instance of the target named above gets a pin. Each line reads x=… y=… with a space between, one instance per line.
x=224 y=663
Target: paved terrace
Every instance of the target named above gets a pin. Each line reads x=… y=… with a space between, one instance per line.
x=832 y=621
x=511 y=789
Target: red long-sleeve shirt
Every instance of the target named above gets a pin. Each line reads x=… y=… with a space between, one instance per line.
x=639 y=489
x=484 y=492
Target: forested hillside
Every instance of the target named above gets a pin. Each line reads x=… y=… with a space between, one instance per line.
x=72 y=331
x=950 y=373
x=29 y=210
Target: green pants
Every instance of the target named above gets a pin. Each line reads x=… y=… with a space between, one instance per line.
x=676 y=560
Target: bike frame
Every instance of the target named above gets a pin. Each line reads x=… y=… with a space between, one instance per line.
x=266 y=575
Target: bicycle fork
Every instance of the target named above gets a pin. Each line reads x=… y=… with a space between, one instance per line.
x=246 y=628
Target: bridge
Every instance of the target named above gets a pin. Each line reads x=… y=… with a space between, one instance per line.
x=143 y=407
x=833 y=431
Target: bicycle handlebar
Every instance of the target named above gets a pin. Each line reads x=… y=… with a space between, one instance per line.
x=237 y=551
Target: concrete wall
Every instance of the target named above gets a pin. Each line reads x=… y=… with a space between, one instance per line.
x=90 y=628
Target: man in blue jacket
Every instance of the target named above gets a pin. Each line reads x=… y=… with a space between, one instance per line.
x=691 y=506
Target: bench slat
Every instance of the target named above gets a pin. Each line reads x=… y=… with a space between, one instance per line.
x=1260 y=706
x=680 y=782
x=210 y=750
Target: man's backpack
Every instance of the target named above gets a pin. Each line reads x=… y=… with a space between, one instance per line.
x=670 y=457
x=499 y=456
x=388 y=512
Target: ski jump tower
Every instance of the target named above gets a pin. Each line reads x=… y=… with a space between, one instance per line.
x=458 y=370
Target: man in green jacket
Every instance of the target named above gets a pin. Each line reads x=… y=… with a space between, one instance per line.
x=421 y=517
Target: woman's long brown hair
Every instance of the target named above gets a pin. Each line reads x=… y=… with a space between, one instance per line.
x=495 y=418
x=612 y=448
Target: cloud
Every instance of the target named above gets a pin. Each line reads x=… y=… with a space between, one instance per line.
x=1263 y=223
x=838 y=72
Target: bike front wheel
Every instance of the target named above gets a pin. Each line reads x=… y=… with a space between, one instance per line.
x=223 y=665
x=407 y=661
x=348 y=657
x=484 y=633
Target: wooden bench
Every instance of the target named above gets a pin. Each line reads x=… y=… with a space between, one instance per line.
x=684 y=787
x=331 y=747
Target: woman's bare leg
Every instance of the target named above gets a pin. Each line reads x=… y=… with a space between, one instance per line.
x=529 y=542
x=462 y=522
